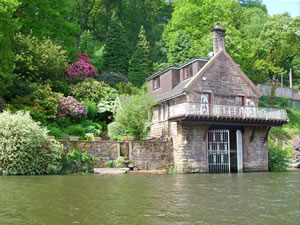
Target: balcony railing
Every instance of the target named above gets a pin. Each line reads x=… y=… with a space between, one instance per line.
x=241 y=112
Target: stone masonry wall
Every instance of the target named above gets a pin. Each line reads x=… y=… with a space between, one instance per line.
x=255 y=153
x=190 y=148
x=144 y=154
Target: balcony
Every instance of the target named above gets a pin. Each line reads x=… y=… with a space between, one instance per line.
x=212 y=112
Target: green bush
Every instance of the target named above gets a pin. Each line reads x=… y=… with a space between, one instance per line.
x=116 y=131
x=80 y=162
x=90 y=90
x=112 y=78
x=135 y=115
x=46 y=101
x=75 y=130
x=117 y=163
x=25 y=148
x=279 y=157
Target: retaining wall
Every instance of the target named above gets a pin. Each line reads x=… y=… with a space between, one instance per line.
x=143 y=154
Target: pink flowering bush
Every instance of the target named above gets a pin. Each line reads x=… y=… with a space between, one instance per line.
x=81 y=68
x=70 y=107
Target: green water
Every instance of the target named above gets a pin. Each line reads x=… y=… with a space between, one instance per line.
x=250 y=198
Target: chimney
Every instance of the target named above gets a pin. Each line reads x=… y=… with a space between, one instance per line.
x=218 y=38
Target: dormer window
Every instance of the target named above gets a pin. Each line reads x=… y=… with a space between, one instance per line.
x=188 y=71
x=156 y=83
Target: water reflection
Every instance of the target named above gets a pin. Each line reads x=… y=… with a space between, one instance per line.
x=252 y=198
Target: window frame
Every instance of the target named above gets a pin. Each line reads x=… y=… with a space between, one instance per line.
x=156 y=83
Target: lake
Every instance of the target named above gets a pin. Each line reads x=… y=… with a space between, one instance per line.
x=249 y=198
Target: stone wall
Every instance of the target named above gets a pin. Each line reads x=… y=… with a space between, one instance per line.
x=255 y=153
x=151 y=154
x=190 y=148
x=143 y=154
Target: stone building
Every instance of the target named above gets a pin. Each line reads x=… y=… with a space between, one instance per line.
x=209 y=108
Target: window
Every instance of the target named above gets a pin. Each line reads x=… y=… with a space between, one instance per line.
x=161 y=112
x=156 y=83
x=188 y=71
x=239 y=100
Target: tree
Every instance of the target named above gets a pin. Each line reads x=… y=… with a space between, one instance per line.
x=179 y=52
x=50 y=19
x=8 y=26
x=140 y=64
x=116 y=56
x=277 y=46
x=39 y=59
x=197 y=18
x=135 y=115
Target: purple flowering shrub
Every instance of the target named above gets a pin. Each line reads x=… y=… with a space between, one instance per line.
x=81 y=68
x=70 y=107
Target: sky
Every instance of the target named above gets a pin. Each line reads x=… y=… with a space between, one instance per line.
x=281 y=6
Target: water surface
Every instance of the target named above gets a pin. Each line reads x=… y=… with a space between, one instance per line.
x=250 y=198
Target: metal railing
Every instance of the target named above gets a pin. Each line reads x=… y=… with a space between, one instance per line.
x=241 y=112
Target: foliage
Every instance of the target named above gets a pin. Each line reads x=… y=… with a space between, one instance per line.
x=81 y=68
x=112 y=78
x=39 y=59
x=116 y=131
x=279 y=157
x=89 y=136
x=172 y=171
x=140 y=64
x=90 y=90
x=179 y=52
x=116 y=55
x=92 y=110
x=135 y=115
x=79 y=162
x=277 y=46
x=70 y=107
x=25 y=148
x=107 y=104
x=117 y=163
x=46 y=101
x=127 y=89
x=50 y=19
x=8 y=27
x=2 y=104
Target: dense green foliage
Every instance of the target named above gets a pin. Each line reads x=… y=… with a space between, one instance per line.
x=279 y=157
x=80 y=162
x=116 y=131
x=117 y=163
x=25 y=148
x=116 y=55
x=8 y=27
x=140 y=64
x=135 y=115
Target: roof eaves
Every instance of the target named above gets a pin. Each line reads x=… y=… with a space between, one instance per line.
x=176 y=68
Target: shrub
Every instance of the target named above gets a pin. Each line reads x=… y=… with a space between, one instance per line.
x=75 y=130
x=116 y=131
x=89 y=136
x=82 y=68
x=92 y=110
x=127 y=89
x=117 y=163
x=70 y=107
x=39 y=58
x=279 y=157
x=135 y=115
x=112 y=78
x=107 y=104
x=80 y=162
x=46 y=101
x=25 y=148
x=2 y=104
x=90 y=90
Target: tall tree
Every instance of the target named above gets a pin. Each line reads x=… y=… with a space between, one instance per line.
x=8 y=27
x=116 y=55
x=51 y=19
x=278 y=45
x=140 y=64
x=179 y=52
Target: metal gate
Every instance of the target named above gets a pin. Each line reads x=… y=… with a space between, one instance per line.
x=218 y=151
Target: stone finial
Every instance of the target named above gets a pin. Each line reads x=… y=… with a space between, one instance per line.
x=218 y=38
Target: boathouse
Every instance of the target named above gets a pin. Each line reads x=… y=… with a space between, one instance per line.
x=209 y=109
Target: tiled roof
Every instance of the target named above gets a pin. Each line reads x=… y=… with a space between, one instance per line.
x=176 y=91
